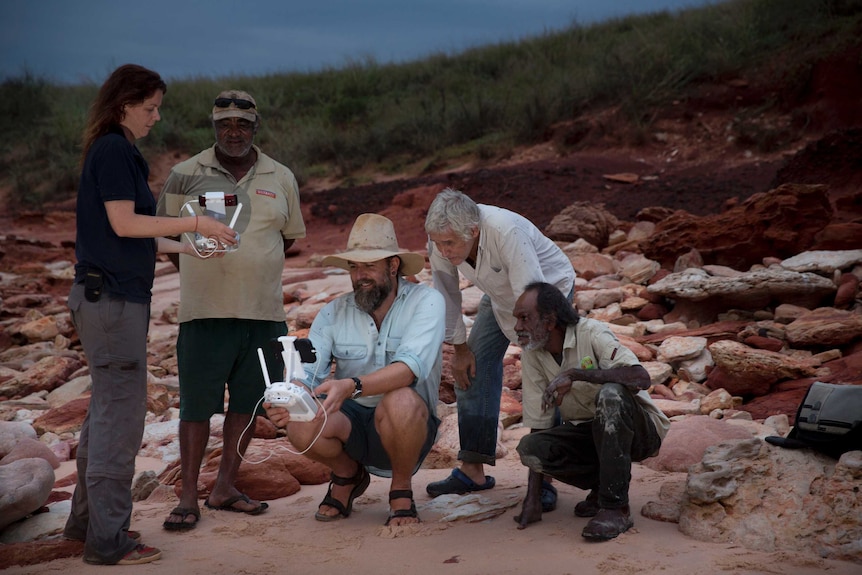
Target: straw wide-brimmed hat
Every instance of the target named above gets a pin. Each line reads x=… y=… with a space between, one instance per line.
x=372 y=239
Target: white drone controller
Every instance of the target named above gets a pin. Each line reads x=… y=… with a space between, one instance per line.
x=216 y=203
x=296 y=398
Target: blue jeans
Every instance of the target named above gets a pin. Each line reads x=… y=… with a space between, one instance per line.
x=479 y=404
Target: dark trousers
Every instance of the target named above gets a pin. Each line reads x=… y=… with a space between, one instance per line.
x=597 y=454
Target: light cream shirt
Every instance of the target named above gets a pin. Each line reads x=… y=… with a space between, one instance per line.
x=588 y=345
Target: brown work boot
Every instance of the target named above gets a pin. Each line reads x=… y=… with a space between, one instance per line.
x=608 y=523
x=589 y=506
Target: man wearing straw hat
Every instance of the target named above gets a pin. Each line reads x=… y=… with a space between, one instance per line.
x=386 y=340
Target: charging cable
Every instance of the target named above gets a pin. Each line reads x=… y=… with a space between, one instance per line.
x=280 y=447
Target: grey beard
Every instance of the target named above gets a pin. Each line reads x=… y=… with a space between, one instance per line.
x=369 y=300
x=534 y=343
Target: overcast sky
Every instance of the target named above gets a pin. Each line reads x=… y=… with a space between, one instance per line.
x=74 y=41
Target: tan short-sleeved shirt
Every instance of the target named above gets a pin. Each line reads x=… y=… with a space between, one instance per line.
x=244 y=284
x=588 y=345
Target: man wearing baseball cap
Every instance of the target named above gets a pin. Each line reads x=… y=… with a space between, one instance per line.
x=386 y=340
x=233 y=304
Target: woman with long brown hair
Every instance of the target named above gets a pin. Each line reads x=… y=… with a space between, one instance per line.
x=118 y=236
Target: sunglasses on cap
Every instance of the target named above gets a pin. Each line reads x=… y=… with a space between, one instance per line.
x=238 y=102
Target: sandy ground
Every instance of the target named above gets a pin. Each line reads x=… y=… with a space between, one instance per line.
x=287 y=539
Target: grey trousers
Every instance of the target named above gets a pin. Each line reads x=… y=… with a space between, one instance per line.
x=597 y=454
x=114 y=336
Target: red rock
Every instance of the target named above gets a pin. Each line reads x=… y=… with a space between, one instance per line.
x=848 y=287
x=779 y=223
x=838 y=236
x=66 y=418
x=760 y=342
x=652 y=311
x=41 y=551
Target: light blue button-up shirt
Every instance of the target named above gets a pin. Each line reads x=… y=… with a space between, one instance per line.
x=412 y=333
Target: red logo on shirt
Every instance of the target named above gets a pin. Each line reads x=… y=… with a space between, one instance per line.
x=265 y=193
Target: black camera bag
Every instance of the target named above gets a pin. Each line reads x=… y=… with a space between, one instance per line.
x=829 y=420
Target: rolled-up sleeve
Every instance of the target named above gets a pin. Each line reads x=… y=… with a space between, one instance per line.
x=419 y=346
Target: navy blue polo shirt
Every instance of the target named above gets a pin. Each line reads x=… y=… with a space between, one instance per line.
x=114 y=169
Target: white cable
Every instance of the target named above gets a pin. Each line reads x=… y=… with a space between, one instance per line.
x=254 y=416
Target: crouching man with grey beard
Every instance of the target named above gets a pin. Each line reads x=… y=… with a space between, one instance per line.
x=608 y=418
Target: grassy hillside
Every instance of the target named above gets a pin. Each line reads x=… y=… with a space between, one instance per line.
x=484 y=101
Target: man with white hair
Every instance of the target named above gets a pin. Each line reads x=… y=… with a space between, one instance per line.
x=500 y=252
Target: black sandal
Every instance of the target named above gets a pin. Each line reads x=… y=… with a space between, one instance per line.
x=402 y=494
x=360 y=480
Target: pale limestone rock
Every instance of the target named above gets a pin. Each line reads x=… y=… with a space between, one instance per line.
x=605 y=282
x=697 y=285
x=767 y=498
x=780 y=424
x=722 y=271
x=606 y=314
x=633 y=303
x=579 y=246
x=757 y=368
x=589 y=265
x=143 y=484
x=679 y=348
x=719 y=399
x=11 y=432
x=638 y=269
x=658 y=326
x=471 y=507
x=588 y=300
x=640 y=231
x=823 y=261
x=696 y=369
x=70 y=390
x=684 y=388
x=616 y=237
x=786 y=313
x=45 y=374
x=25 y=485
x=674 y=408
x=659 y=372
x=38 y=526
x=42 y=329
x=630 y=331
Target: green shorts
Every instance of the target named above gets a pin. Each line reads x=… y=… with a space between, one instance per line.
x=215 y=352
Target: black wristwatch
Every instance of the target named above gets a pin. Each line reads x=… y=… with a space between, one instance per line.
x=357 y=387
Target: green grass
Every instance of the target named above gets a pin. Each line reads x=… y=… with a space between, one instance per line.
x=483 y=101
